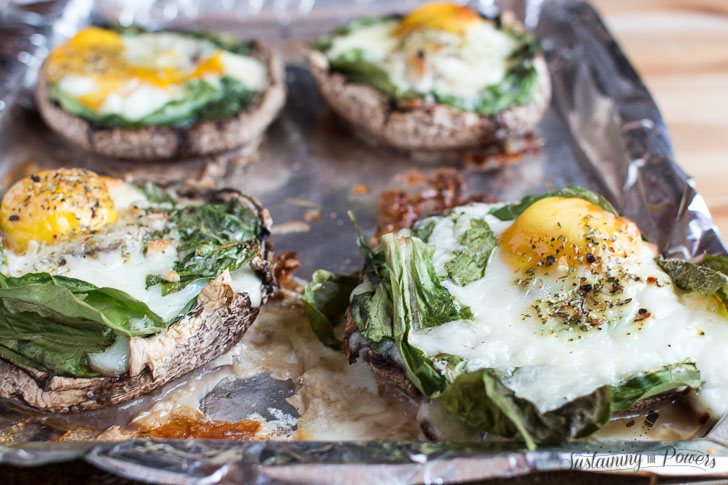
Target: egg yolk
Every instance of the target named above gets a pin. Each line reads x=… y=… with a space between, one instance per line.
x=54 y=205
x=565 y=232
x=98 y=54
x=439 y=16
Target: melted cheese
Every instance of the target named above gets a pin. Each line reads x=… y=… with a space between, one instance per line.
x=376 y=41
x=550 y=364
x=428 y=59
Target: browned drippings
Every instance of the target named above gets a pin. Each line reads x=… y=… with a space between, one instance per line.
x=360 y=190
x=284 y=265
x=185 y=427
x=181 y=423
x=445 y=190
x=499 y=155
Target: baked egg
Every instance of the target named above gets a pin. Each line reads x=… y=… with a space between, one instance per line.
x=128 y=77
x=572 y=299
x=440 y=52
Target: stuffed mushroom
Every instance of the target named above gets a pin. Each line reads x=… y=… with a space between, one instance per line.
x=110 y=289
x=443 y=77
x=537 y=320
x=158 y=95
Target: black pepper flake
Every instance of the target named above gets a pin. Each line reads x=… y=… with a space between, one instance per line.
x=651 y=419
x=14 y=218
x=35 y=178
x=550 y=259
x=590 y=258
x=643 y=314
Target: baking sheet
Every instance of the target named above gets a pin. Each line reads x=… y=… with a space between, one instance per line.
x=602 y=131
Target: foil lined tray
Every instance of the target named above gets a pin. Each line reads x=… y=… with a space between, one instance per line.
x=602 y=131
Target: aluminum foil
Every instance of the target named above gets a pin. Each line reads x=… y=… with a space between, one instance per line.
x=603 y=131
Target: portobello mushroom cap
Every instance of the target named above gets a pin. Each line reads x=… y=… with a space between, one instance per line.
x=154 y=142
x=216 y=322
x=426 y=127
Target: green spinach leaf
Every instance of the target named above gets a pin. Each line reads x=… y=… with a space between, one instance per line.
x=423 y=230
x=372 y=313
x=482 y=401
x=326 y=298
x=212 y=238
x=511 y=211
x=358 y=70
x=54 y=321
x=204 y=262
x=201 y=101
x=418 y=300
x=154 y=194
x=414 y=282
x=695 y=277
x=641 y=386
x=469 y=263
x=234 y=99
x=716 y=263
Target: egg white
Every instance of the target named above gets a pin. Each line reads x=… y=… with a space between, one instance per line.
x=550 y=365
x=459 y=65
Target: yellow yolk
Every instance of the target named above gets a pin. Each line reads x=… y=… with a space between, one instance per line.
x=568 y=232
x=54 y=205
x=439 y=16
x=98 y=54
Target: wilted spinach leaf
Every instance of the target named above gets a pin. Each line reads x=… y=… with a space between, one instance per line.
x=716 y=263
x=509 y=212
x=326 y=298
x=201 y=101
x=154 y=194
x=426 y=302
x=372 y=312
x=418 y=301
x=423 y=230
x=54 y=321
x=357 y=69
x=482 y=401
x=213 y=238
x=469 y=263
x=694 y=277
x=630 y=391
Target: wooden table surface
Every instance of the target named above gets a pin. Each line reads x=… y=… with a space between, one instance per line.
x=680 y=49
